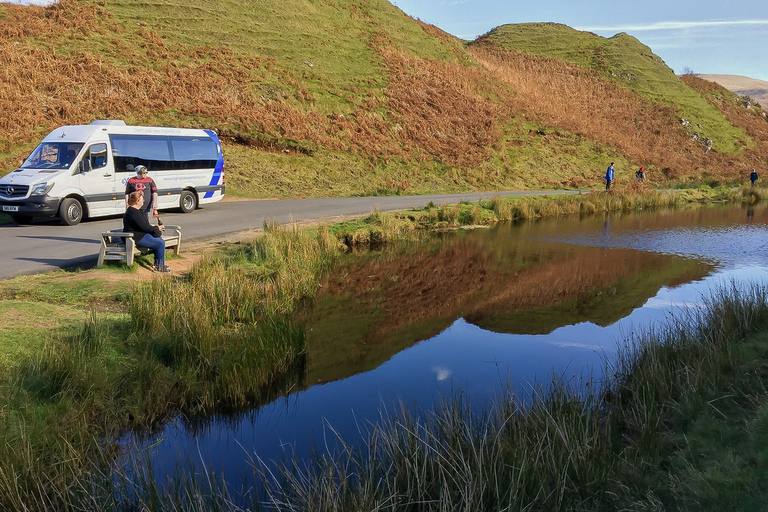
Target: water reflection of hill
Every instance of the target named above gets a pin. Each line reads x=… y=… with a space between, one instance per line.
x=500 y=279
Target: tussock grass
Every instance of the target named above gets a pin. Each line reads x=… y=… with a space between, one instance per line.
x=219 y=340
x=379 y=227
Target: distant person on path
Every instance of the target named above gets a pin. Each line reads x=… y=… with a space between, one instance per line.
x=146 y=235
x=640 y=175
x=146 y=185
x=753 y=177
x=609 y=177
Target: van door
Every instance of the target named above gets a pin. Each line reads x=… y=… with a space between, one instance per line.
x=97 y=182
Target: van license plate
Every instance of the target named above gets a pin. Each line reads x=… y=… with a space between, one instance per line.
x=10 y=208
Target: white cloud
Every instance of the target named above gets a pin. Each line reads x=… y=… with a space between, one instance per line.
x=673 y=25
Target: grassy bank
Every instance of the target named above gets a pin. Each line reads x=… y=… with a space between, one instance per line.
x=215 y=340
x=378 y=227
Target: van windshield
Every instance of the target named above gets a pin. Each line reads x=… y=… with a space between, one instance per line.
x=53 y=155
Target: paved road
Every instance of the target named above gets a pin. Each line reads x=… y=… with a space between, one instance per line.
x=48 y=245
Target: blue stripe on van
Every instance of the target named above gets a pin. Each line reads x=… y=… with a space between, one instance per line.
x=217 y=171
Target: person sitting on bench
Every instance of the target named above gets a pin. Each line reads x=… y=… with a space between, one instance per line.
x=145 y=234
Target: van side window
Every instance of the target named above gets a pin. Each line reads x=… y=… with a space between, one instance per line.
x=98 y=156
x=132 y=150
x=194 y=152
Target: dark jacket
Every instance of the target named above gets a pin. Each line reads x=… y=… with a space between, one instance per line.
x=135 y=221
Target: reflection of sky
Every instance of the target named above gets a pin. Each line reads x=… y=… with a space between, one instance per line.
x=469 y=360
x=730 y=246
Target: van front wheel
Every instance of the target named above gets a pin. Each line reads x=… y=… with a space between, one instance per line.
x=188 y=201
x=71 y=211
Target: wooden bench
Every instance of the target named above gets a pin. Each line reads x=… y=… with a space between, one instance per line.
x=120 y=245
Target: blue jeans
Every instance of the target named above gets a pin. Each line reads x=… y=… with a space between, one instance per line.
x=157 y=245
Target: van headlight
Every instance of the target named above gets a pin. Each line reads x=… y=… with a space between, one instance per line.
x=41 y=189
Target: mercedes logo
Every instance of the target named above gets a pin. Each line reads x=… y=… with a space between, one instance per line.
x=9 y=190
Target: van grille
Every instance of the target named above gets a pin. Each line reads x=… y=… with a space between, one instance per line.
x=14 y=190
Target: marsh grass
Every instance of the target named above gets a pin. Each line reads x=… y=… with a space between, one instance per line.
x=513 y=208
x=506 y=456
x=219 y=340
x=226 y=322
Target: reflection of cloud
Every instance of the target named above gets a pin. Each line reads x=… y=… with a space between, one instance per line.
x=665 y=303
x=673 y=25
x=571 y=344
x=442 y=374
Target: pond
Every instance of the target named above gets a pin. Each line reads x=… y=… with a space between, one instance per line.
x=473 y=312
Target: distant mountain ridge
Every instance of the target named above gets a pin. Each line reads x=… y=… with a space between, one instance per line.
x=743 y=86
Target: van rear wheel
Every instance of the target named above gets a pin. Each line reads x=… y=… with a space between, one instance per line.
x=71 y=211
x=188 y=201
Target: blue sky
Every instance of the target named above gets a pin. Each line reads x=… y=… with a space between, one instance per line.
x=723 y=37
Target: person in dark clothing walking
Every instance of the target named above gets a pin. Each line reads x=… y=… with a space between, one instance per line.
x=146 y=235
x=753 y=177
x=609 y=177
x=146 y=185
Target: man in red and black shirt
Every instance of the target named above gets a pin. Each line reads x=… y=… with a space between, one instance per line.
x=146 y=185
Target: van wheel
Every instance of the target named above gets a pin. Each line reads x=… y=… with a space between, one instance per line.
x=187 y=202
x=71 y=211
x=21 y=219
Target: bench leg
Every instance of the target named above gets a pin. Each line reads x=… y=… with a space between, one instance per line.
x=102 y=253
x=130 y=247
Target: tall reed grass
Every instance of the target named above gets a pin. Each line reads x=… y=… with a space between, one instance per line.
x=226 y=322
x=634 y=198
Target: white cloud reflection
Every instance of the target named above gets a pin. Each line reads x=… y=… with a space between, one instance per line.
x=442 y=374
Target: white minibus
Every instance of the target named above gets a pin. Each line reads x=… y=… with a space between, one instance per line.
x=81 y=171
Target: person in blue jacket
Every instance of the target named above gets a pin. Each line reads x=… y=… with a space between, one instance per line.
x=609 y=177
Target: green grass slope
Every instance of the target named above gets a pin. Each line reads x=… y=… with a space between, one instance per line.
x=345 y=97
x=326 y=45
x=632 y=64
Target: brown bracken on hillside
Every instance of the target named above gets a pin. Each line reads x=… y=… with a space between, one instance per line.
x=446 y=112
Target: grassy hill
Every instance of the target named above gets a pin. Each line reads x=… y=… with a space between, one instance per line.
x=756 y=90
x=629 y=62
x=352 y=97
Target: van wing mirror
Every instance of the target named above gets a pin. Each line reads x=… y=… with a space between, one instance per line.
x=84 y=165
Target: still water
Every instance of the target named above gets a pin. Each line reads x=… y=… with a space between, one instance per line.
x=474 y=312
